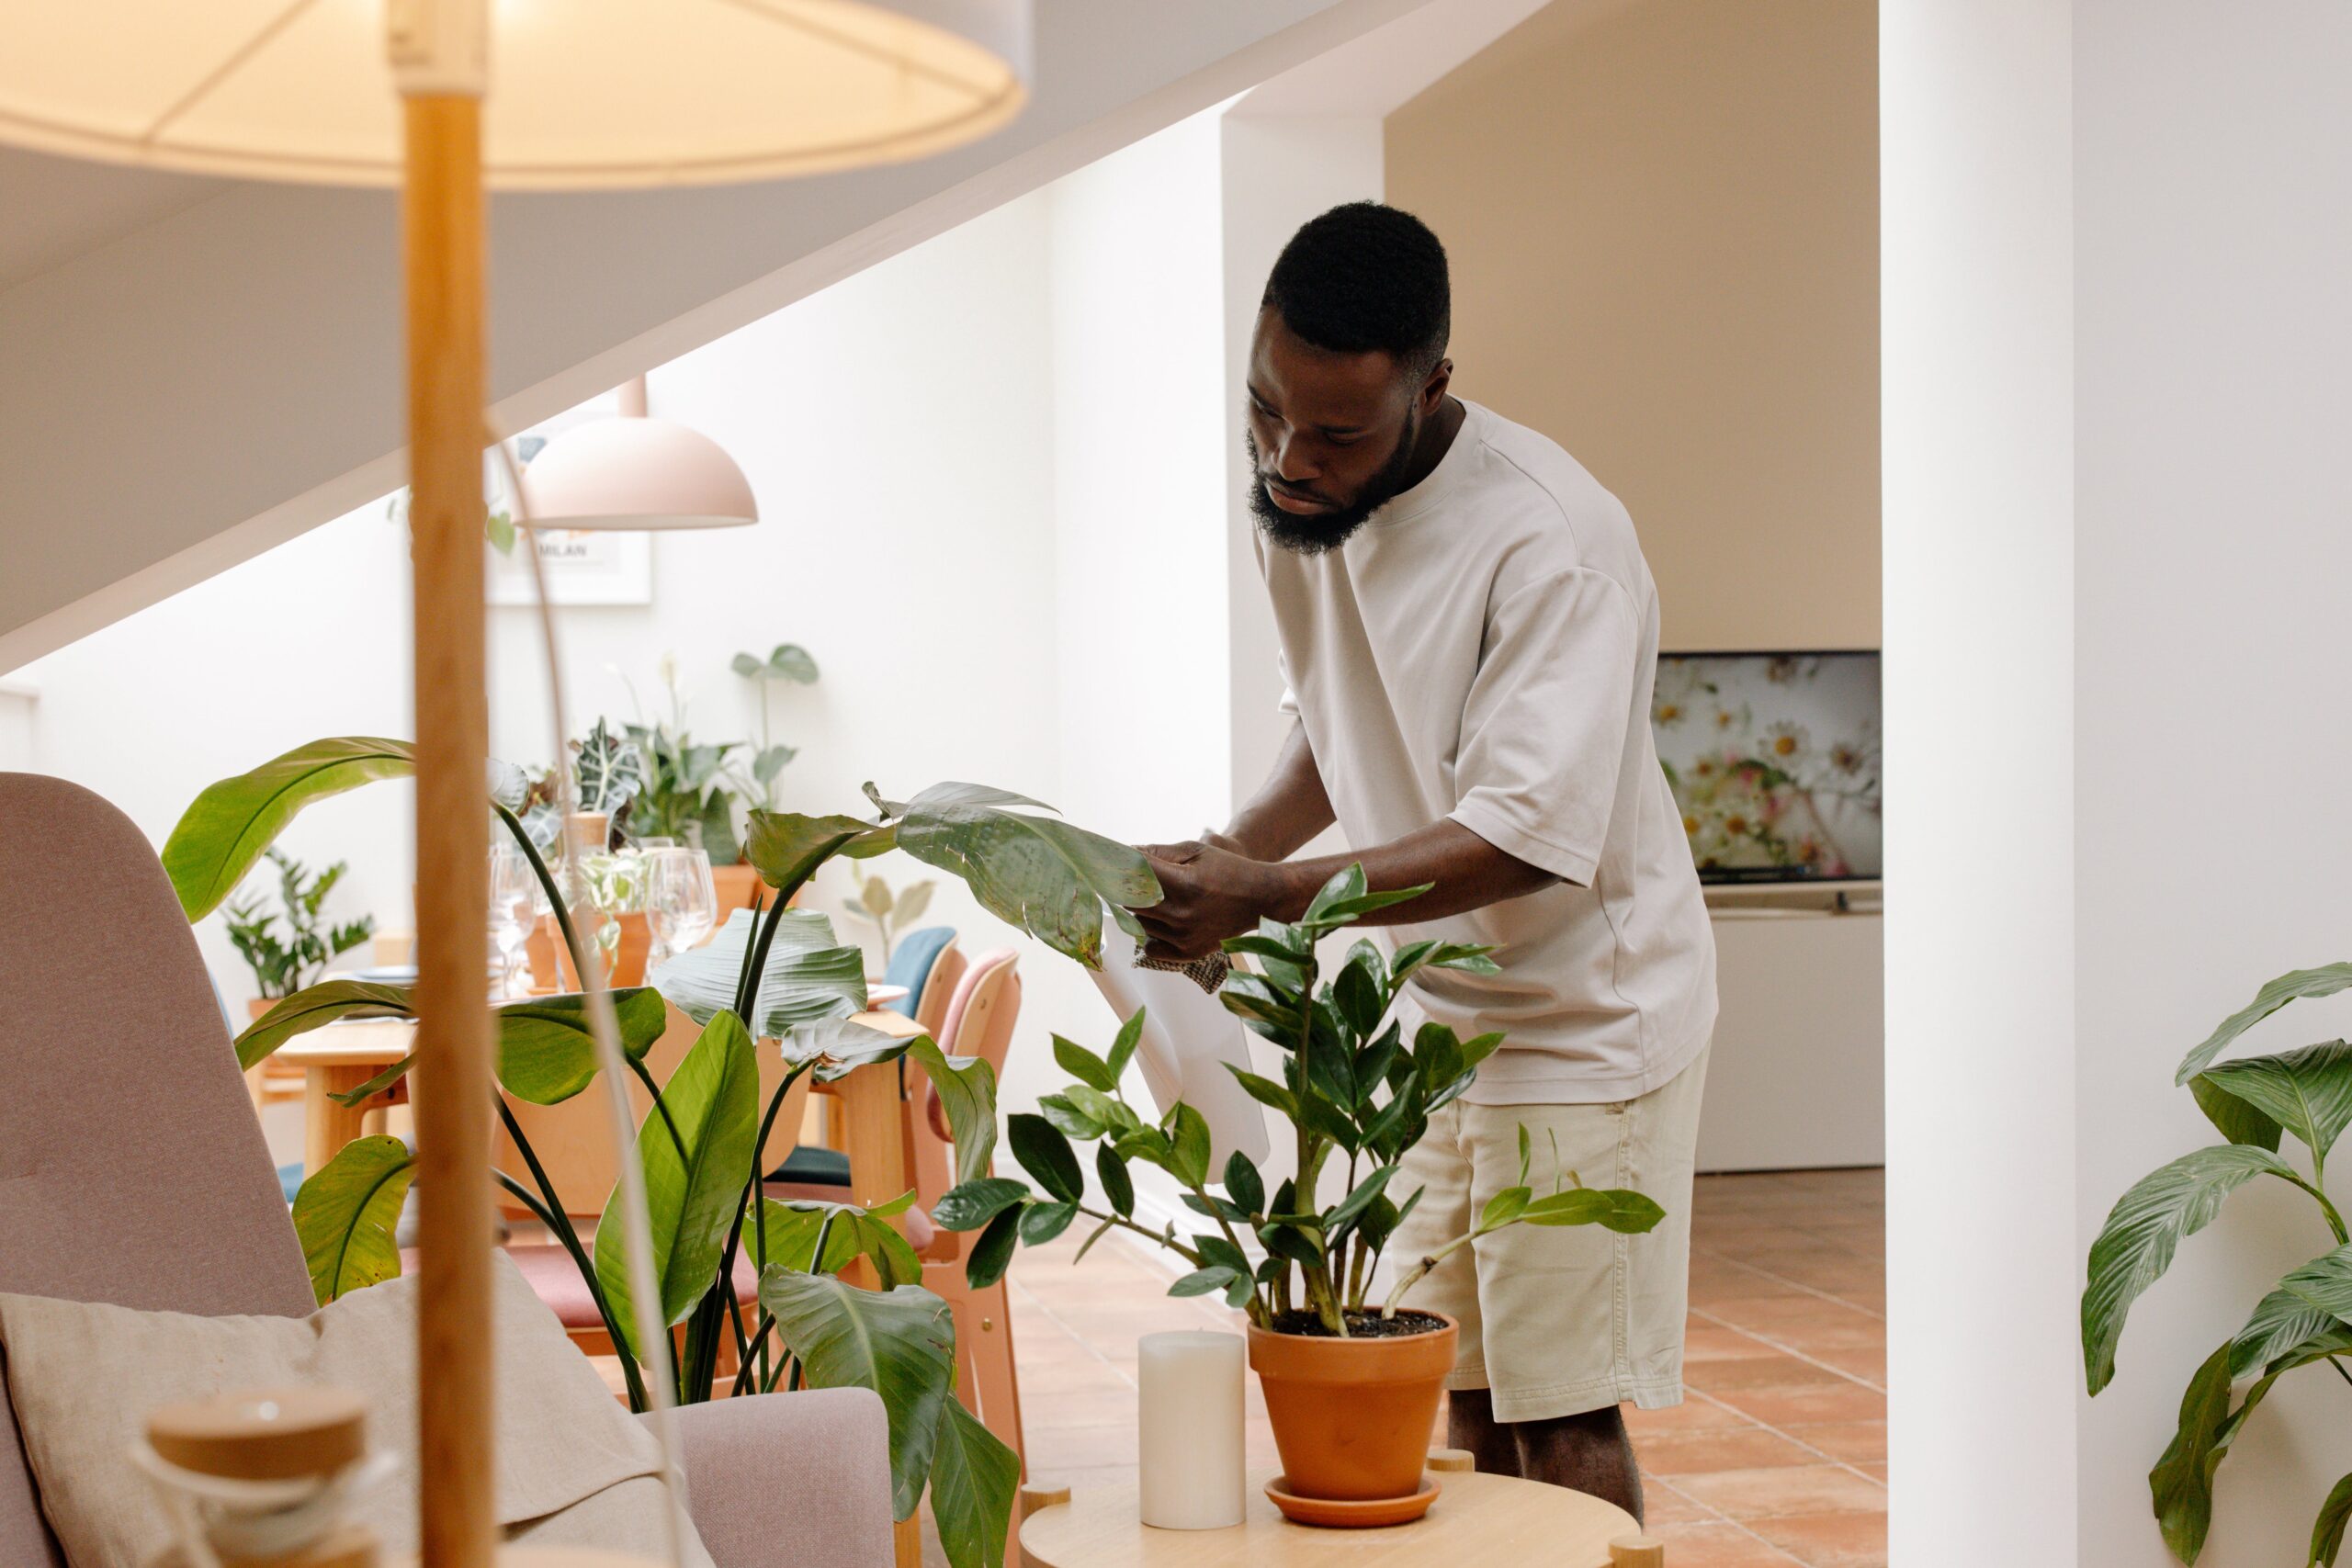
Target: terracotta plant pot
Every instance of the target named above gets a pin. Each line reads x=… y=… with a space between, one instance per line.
x=735 y=885
x=551 y=965
x=1352 y=1417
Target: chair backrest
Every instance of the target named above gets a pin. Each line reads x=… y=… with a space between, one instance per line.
x=911 y=965
x=939 y=989
x=979 y=1023
x=132 y=1169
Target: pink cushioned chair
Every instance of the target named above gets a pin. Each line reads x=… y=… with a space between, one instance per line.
x=115 y=1065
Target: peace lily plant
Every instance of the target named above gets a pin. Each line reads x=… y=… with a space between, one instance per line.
x=2303 y=1320
x=795 y=983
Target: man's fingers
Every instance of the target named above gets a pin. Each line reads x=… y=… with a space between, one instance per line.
x=1183 y=854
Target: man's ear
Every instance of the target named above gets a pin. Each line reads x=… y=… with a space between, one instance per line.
x=1432 y=394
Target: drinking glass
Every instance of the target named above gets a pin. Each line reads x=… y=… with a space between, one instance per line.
x=681 y=902
x=516 y=900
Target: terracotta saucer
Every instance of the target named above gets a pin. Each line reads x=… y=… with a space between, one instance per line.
x=1335 y=1513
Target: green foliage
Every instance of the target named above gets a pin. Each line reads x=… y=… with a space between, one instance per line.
x=283 y=967
x=345 y=1213
x=787 y=663
x=1351 y=1087
x=684 y=795
x=887 y=909
x=226 y=828
x=2302 y=1320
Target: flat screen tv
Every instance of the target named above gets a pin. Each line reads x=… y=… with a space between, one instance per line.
x=1774 y=761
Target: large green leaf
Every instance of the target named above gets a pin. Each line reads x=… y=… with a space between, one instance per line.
x=787 y=848
x=2233 y=1117
x=900 y=1344
x=972 y=1478
x=810 y=974
x=547 y=1051
x=2325 y=1284
x=345 y=1213
x=2181 y=1485
x=1051 y=879
x=316 y=1006
x=2308 y=1092
x=2325 y=981
x=714 y=1099
x=2144 y=1227
x=1611 y=1208
x=965 y=1085
x=2327 y=1529
x=228 y=826
x=2285 y=1319
x=785 y=1235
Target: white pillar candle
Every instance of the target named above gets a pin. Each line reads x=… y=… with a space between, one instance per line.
x=1191 y=1458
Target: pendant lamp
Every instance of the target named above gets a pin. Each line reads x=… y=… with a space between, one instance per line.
x=442 y=98
x=635 y=471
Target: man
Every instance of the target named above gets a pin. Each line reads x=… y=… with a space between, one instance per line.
x=1470 y=636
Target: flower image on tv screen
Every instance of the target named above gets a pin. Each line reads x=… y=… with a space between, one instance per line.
x=1774 y=761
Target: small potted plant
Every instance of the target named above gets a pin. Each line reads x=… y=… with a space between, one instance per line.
x=1352 y=1388
x=890 y=911
x=282 y=967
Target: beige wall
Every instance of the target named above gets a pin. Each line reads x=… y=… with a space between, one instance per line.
x=1663 y=219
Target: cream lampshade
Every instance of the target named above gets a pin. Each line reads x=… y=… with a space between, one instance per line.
x=632 y=471
x=581 y=93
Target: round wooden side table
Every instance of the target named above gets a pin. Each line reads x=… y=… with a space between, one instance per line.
x=1476 y=1520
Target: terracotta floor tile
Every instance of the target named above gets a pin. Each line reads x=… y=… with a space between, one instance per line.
x=1783 y=1407
x=1710 y=1342
x=1662 y=1504
x=1718 y=1546
x=1785 y=1492
x=1875 y=1471
x=1693 y=1414
x=1774 y=1372
x=1829 y=1541
x=1737 y=1447
x=1856 y=1442
x=1865 y=1362
x=1780 y=1317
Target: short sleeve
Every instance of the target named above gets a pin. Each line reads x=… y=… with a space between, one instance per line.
x=1543 y=728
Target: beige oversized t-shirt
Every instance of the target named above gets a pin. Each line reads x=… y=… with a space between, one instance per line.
x=1483 y=649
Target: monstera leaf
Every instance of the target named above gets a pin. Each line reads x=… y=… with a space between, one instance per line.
x=1051 y=880
x=224 y=831
x=345 y=1213
x=693 y=1177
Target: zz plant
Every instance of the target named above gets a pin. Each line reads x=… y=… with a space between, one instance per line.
x=1352 y=1089
x=2304 y=1319
x=786 y=977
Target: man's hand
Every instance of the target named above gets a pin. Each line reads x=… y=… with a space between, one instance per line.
x=1208 y=893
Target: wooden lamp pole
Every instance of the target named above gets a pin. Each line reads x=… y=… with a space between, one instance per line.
x=441 y=67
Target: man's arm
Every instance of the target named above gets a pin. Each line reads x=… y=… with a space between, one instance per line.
x=1211 y=893
x=1289 y=808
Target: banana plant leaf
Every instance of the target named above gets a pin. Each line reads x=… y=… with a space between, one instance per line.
x=973 y=1479
x=345 y=1213
x=787 y=848
x=965 y=1085
x=2143 y=1229
x=546 y=1052
x=810 y=975
x=228 y=826
x=900 y=1343
x=786 y=1235
x=1042 y=875
x=693 y=1194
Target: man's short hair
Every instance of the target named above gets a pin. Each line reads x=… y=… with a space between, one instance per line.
x=1365 y=278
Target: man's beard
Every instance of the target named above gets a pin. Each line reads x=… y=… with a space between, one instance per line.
x=1314 y=533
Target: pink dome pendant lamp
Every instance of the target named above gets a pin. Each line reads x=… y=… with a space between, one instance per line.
x=634 y=471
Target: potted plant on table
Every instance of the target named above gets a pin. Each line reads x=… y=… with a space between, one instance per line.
x=283 y=967
x=1351 y=1387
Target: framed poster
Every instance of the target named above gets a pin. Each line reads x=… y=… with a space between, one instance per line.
x=584 y=567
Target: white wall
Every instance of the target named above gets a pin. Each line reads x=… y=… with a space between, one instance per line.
x=1983 y=1246
x=2213 y=154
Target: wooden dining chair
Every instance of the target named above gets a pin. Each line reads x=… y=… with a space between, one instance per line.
x=979 y=1022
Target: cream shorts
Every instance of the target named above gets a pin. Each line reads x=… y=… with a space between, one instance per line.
x=1559 y=1320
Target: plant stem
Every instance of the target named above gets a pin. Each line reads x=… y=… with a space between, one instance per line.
x=1413 y=1276
x=2335 y=1220
x=547 y=884
x=646 y=1077
x=552 y=1215
x=2339 y=1369
x=1155 y=1237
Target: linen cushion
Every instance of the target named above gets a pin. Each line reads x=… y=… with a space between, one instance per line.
x=573 y=1467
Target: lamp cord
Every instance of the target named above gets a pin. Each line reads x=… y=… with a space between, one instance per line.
x=644 y=1287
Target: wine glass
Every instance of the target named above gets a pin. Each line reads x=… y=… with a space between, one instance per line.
x=515 y=900
x=681 y=902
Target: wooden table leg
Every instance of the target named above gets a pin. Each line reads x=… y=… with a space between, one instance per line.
x=875 y=1140
x=327 y=1126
